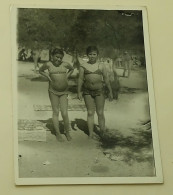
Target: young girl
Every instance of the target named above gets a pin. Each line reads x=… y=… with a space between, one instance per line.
x=92 y=74
x=58 y=74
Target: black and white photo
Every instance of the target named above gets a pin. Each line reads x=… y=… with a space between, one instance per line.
x=83 y=98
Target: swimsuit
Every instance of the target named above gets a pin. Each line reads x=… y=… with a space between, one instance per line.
x=57 y=70
x=86 y=71
x=93 y=93
x=96 y=92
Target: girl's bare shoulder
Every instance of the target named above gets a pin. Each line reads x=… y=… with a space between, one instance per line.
x=84 y=64
x=66 y=65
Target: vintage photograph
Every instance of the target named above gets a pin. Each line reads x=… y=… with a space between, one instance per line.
x=83 y=98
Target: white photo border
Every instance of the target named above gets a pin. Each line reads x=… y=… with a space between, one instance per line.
x=85 y=180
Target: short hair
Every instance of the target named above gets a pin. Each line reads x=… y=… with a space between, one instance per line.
x=92 y=48
x=57 y=51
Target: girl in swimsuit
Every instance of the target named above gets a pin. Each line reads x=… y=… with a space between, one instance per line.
x=58 y=74
x=92 y=74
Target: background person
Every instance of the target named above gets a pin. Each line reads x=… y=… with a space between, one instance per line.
x=36 y=51
x=126 y=64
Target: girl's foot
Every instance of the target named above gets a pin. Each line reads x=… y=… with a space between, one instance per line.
x=93 y=136
x=69 y=138
x=90 y=136
x=102 y=133
x=59 y=137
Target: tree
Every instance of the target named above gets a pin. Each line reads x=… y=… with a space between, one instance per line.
x=110 y=30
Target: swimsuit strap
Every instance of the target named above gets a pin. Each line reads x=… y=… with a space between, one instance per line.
x=98 y=71
x=57 y=72
x=86 y=71
x=57 y=69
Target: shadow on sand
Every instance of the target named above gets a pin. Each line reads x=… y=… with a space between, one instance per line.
x=80 y=124
x=111 y=137
x=77 y=124
x=137 y=147
x=49 y=126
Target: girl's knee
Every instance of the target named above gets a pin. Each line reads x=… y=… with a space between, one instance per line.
x=64 y=114
x=90 y=112
x=100 y=113
x=55 y=112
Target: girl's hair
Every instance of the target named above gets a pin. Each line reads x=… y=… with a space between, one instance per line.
x=92 y=48
x=57 y=51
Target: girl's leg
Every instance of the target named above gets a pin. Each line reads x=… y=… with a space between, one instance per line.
x=100 y=102
x=90 y=105
x=64 y=113
x=55 y=116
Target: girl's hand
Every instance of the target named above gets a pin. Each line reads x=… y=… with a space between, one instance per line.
x=110 y=97
x=79 y=96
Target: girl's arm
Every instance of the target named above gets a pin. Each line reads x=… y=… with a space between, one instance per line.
x=106 y=80
x=70 y=69
x=80 y=82
x=42 y=71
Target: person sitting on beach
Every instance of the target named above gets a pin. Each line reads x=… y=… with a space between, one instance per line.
x=22 y=55
x=92 y=74
x=58 y=74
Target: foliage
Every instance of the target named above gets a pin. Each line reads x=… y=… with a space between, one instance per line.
x=76 y=29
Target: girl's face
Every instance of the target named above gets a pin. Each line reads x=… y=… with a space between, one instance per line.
x=92 y=57
x=57 y=59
